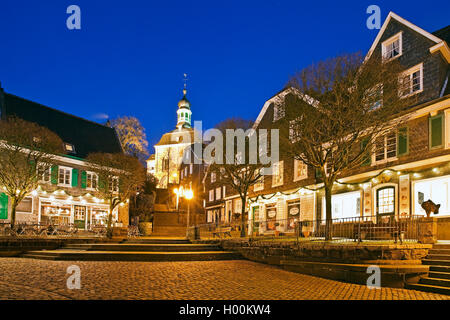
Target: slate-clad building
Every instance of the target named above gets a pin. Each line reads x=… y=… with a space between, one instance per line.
x=407 y=167
x=67 y=192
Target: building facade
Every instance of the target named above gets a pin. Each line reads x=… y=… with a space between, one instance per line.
x=67 y=191
x=405 y=168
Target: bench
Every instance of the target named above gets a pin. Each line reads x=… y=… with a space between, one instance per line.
x=373 y=231
x=225 y=231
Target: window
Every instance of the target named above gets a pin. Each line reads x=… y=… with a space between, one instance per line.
x=259 y=185
x=114 y=184
x=386 y=148
x=213 y=177
x=44 y=174
x=191 y=168
x=25 y=206
x=223 y=191
x=294 y=130
x=211 y=195
x=91 y=180
x=403 y=142
x=185 y=171
x=436 y=131
x=69 y=147
x=278 y=112
x=386 y=201
x=300 y=170
x=64 y=176
x=392 y=47
x=345 y=205
x=374 y=97
x=218 y=193
x=277 y=174
x=434 y=189
x=182 y=174
x=412 y=81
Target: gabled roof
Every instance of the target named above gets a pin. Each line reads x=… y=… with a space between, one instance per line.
x=443 y=34
x=173 y=136
x=86 y=136
x=410 y=25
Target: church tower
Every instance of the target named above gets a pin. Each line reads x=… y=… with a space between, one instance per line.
x=184 y=112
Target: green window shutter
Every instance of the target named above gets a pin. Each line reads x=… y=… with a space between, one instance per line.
x=3 y=206
x=83 y=179
x=436 y=127
x=403 y=142
x=74 y=177
x=54 y=175
x=101 y=183
x=367 y=160
x=318 y=173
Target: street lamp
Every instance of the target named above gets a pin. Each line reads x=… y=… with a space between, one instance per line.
x=188 y=195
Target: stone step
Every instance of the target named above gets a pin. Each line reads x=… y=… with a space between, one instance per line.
x=438 y=256
x=435 y=262
x=441 y=246
x=435 y=282
x=156 y=240
x=439 y=275
x=439 y=251
x=145 y=247
x=80 y=255
x=428 y=288
x=443 y=269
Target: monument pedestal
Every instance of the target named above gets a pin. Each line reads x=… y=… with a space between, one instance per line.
x=427 y=230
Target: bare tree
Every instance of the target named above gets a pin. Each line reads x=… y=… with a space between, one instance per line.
x=344 y=106
x=27 y=151
x=236 y=170
x=131 y=135
x=119 y=177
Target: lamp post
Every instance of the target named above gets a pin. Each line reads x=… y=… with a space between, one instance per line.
x=188 y=195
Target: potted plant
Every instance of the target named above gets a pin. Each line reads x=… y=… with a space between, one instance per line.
x=306 y=229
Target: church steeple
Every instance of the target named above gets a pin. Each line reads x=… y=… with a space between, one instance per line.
x=184 y=110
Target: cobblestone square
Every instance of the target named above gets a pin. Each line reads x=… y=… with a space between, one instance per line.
x=204 y=280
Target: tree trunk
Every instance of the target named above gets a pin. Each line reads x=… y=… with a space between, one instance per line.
x=108 y=225
x=13 y=210
x=328 y=215
x=243 y=199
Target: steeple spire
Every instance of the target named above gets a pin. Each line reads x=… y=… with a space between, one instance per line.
x=184 y=109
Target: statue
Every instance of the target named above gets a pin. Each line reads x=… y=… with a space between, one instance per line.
x=429 y=206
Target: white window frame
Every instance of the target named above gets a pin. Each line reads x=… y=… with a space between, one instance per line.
x=41 y=176
x=447 y=128
x=64 y=184
x=390 y=41
x=385 y=159
x=32 y=205
x=114 y=187
x=277 y=173
x=92 y=174
x=304 y=174
x=277 y=114
x=218 y=193
x=409 y=73
x=211 y=195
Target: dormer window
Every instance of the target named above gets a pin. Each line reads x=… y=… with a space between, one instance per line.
x=69 y=147
x=392 y=47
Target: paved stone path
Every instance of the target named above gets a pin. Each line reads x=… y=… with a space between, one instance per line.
x=22 y=278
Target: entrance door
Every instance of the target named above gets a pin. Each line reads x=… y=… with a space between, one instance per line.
x=3 y=206
x=385 y=204
x=80 y=216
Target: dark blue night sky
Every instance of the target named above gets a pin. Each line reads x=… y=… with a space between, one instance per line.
x=130 y=56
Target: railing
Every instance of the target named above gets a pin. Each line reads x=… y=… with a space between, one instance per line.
x=23 y=229
x=355 y=229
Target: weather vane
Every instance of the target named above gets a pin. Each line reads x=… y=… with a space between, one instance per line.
x=185 y=79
